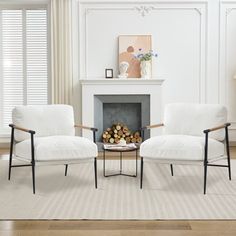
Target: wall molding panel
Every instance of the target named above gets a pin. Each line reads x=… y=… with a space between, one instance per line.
x=227 y=9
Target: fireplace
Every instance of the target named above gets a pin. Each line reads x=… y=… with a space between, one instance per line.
x=96 y=92
x=132 y=111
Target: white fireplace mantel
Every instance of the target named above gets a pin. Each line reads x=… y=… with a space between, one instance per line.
x=115 y=86
x=118 y=81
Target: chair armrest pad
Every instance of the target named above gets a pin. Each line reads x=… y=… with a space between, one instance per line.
x=217 y=128
x=152 y=126
x=22 y=129
x=86 y=127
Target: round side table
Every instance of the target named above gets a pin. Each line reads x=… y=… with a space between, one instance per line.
x=121 y=150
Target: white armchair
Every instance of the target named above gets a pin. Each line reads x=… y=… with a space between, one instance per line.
x=192 y=133
x=46 y=135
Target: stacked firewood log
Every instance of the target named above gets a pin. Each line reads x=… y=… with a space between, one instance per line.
x=119 y=131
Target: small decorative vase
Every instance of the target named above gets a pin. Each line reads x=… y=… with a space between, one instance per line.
x=145 y=67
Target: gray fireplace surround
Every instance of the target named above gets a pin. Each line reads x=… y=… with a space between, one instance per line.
x=132 y=110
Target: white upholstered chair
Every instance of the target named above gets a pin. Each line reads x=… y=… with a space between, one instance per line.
x=192 y=133
x=46 y=135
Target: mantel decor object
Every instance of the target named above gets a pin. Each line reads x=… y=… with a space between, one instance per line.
x=109 y=73
x=129 y=47
x=124 y=65
x=145 y=69
x=145 y=63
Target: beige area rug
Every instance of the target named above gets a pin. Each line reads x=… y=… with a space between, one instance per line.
x=74 y=196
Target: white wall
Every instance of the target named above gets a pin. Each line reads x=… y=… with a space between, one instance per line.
x=195 y=40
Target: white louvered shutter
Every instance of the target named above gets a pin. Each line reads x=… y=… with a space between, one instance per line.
x=36 y=57
x=23 y=60
x=12 y=63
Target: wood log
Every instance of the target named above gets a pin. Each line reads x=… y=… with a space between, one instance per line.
x=106 y=140
x=111 y=140
x=125 y=129
x=136 y=135
x=133 y=140
x=127 y=139
x=139 y=140
x=120 y=133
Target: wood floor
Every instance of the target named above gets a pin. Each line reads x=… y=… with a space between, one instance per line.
x=117 y=228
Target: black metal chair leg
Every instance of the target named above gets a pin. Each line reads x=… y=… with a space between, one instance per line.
x=171 y=168
x=95 y=172
x=205 y=177
x=11 y=153
x=9 y=171
x=33 y=161
x=229 y=168
x=10 y=163
x=33 y=177
x=66 y=167
x=141 y=174
x=227 y=150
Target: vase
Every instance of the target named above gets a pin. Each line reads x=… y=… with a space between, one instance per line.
x=145 y=69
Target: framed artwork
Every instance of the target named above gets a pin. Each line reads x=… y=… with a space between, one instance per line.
x=131 y=45
x=109 y=73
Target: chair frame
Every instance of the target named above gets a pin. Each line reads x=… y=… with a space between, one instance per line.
x=205 y=161
x=32 y=133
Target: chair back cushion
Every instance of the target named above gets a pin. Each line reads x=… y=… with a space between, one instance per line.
x=46 y=120
x=192 y=119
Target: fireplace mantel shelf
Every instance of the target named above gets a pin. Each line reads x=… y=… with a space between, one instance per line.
x=115 y=81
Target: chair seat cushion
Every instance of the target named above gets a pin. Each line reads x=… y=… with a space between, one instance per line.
x=180 y=147
x=57 y=148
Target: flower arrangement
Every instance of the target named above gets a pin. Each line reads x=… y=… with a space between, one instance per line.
x=145 y=56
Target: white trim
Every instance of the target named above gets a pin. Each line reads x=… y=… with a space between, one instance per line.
x=117 y=81
x=22 y=6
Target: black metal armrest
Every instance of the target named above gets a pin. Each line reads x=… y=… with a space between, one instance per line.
x=94 y=130
x=22 y=129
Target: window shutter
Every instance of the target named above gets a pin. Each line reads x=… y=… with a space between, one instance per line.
x=12 y=62
x=23 y=60
x=36 y=57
